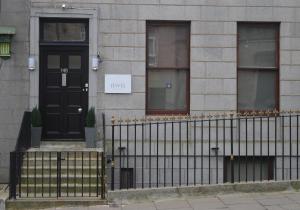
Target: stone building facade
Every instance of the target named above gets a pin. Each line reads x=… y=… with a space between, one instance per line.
x=117 y=35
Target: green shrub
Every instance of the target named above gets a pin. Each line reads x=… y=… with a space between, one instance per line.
x=36 y=119
x=91 y=118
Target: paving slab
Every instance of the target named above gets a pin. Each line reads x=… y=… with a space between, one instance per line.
x=172 y=204
x=206 y=203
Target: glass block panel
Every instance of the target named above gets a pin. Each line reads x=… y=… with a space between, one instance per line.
x=53 y=62
x=64 y=31
x=256 y=90
x=167 y=90
x=257 y=45
x=74 y=62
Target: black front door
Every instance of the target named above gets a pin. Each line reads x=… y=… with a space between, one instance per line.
x=63 y=91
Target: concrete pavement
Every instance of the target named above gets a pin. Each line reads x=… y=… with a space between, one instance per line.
x=286 y=200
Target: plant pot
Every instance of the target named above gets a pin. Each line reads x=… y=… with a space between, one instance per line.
x=90 y=137
x=36 y=134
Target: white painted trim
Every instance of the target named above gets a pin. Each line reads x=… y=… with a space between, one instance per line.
x=35 y=14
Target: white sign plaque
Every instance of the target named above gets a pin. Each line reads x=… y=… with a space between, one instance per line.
x=117 y=83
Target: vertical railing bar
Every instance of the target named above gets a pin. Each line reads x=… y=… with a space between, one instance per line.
x=90 y=173
x=187 y=152
x=42 y=174
x=290 y=130
x=239 y=148
x=135 y=169
x=142 y=155
x=113 y=158
x=20 y=173
x=157 y=137
x=217 y=151
x=102 y=175
x=68 y=159
x=179 y=153
x=74 y=174
x=282 y=152
x=195 y=163
x=57 y=176
x=202 y=149
x=27 y=155
x=224 y=137
x=253 y=149
x=209 y=127
x=12 y=175
x=127 y=150
x=34 y=174
x=232 y=157
x=275 y=145
x=50 y=174
x=268 y=137
x=246 y=145
x=97 y=174
x=165 y=150
x=261 y=145
x=297 y=136
x=150 y=153
x=172 y=137
x=120 y=154
x=82 y=172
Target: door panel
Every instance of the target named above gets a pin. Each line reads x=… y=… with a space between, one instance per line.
x=64 y=73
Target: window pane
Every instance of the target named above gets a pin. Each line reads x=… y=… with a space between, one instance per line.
x=74 y=62
x=256 y=90
x=53 y=62
x=168 y=46
x=167 y=90
x=257 y=45
x=64 y=32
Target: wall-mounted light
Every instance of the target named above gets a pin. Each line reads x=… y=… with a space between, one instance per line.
x=31 y=63
x=95 y=63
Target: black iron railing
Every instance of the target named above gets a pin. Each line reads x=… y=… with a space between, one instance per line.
x=190 y=150
x=57 y=174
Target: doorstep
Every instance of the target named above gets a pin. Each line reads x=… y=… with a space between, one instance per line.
x=43 y=203
x=66 y=145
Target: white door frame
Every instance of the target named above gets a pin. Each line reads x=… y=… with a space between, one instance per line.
x=35 y=15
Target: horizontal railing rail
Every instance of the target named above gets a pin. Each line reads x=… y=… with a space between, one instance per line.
x=212 y=149
x=57 y=174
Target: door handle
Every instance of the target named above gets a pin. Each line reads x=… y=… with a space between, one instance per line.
x=79 y=110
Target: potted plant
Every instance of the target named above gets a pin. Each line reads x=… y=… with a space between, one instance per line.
x=90 y=130
x=36 y=127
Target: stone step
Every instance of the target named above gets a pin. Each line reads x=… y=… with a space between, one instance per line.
x=53 y=202
x=64 y=171
x=46 y=180
x=64 y=188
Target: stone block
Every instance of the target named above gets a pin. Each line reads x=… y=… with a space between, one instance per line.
x=123 y=11
x=213 y=41
x=259 y=13
x=229 y=54
x=138 y=68
x=289 y=88
x=295 y=57
x=214 y=13
x=197 y=86
x=198 y=70
x=138 y=84
x=206 y=54
x=220 y=70
x=201 y=27
x=197 y=102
